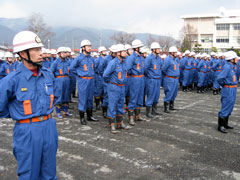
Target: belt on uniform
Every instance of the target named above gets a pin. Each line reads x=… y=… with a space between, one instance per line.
x=218 y=70
x=230 y=86
x=203 y=72
x=117 y=84
x=172 y=77
x=35 y=119
x=137 y=76
x=127 y=76
x=194 y=68
x=84 y=77
x=62 y=76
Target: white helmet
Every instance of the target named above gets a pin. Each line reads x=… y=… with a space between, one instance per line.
x=172 y=49
x=44 y=50
x=26 y=40
x=8 y=55
x=137 y=43
x=94 y=54
x=61 y=49
x=187 y=52
x=48 y=51
x=101 y=49
x=120 y=47
x=68 y=49
x=113 y=48
x=72 y=53
x=178 y=53
x=155 y=45
x=85 y=43
x=183 y=54
x=192 y=54
x=144 y=50
x=2 y=55
x=198 y=55
x=213 y=54
x=53 y=51
x=204 y=55
x=208 y=56
x=230 y=55
x=17 y=56
x=163 y=56
x=128 y=46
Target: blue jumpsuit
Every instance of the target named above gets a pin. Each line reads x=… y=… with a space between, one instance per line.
x=26 y=97
x=83 y=66
x=107 y=59
x=135 y=65
x=61 y=87
x=228 y=80
x=2 y=63
x=47 y=63
x=171 y=73
x=152 y=70
x=98 y=76
x=72 y=78
x=115 y=76
x=186 y=67
x=7 y=68
x=202 y=72
x=217 y=68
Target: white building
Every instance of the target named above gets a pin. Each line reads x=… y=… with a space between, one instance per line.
x=220 y=30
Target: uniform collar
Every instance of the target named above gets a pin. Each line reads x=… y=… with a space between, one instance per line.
x=27 y=73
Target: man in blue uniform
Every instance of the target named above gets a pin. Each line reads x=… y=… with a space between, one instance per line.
x=228 y=80
x=27 y=97
x=202 y=72
x=99 y=93
x=153 y=74
x=171 y=73
x=9 y=66
x=135 y=65
x=62 y=83
x=115 y=76
x=2 y=62
x=186 y=67
x=83 y=66
x=107 y=59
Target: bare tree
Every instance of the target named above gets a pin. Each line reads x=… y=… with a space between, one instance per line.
x=123 y=38
x=37 y=25
x=164 y=41
x=187 y=37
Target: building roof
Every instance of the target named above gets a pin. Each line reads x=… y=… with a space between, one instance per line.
x=222 y=13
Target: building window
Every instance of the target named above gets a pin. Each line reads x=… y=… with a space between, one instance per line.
x=236 y=26
x=206 y=50
x=222 y=40
x=236 y=40
x=223 y=27
x=206 y=38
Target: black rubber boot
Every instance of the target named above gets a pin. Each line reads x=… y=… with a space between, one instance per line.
x=171 y=106
x=104 y=111
x=120 y=124
x=82 y=118
x=97 y=101
x=214 y=91
x=198 y=90
x=137 y=112
x=90 y=116
x=154 y=109
x=112 y=125
x=221 y=123
x=148 y=112
x=166 y=107
x=131 y=118
x=226 y=124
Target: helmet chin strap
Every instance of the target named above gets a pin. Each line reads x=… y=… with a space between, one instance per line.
x=38 y=64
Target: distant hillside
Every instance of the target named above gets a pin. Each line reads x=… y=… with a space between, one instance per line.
x=64 y=35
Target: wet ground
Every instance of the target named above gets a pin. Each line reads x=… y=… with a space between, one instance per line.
x=182 y=145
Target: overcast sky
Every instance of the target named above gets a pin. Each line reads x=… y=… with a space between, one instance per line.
x=150 y=16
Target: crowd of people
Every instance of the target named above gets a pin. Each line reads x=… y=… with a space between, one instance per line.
x=120 y=79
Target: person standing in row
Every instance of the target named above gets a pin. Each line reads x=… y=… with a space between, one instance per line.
x=83 y=67
x=27 y=97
